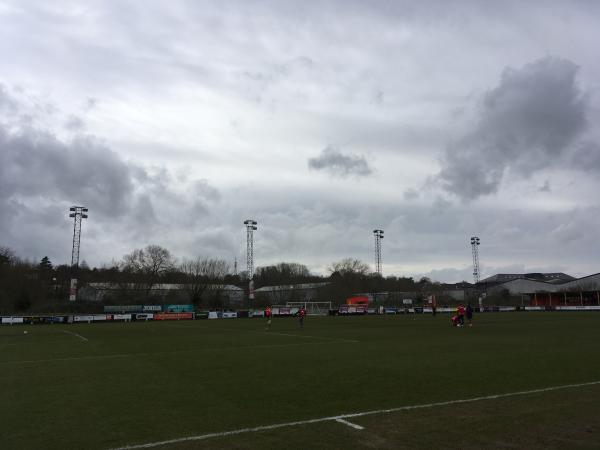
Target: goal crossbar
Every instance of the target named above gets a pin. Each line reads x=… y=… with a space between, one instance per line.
x=312 y=308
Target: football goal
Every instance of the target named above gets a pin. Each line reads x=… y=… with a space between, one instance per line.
x=312 y=308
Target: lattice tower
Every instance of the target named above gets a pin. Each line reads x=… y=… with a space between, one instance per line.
x=78 y=213
x=475 y=251
x=378 y=237
x=250 y=229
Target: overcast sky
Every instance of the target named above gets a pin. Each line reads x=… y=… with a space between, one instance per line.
x=173 y=122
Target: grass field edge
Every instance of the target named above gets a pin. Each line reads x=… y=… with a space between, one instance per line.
x=341 y=417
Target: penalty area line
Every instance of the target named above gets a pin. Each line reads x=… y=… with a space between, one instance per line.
x=340 y=418
x=76 y=335
x=350 y=424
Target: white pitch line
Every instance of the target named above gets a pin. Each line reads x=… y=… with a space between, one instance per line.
x=350 y=415
x=292 y=335
x=350 y=424
x=77 y=335
x=127 y=355
x=306 y=336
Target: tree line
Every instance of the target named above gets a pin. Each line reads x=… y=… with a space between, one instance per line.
x=42 y=286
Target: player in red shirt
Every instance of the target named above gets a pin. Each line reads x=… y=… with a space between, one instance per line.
x=268 y=316
x=460 y=312
x=301 y=315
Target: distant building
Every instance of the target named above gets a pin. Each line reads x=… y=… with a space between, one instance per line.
x=547 y=289
x=557 y=277
x=100 y=292
x=281 y=294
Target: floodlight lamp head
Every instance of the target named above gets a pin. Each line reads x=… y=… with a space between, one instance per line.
x=72 y=215
x=85 y=210
x=84 y=216
x=72 y=208
x=254 y=228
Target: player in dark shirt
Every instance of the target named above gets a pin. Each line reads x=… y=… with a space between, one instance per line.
x=469 y=314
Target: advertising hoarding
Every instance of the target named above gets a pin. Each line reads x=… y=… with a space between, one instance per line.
x=178 y=308
x=144 y=316
x=174 y=316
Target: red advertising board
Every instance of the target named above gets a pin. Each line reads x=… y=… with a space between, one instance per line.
x=173 y=316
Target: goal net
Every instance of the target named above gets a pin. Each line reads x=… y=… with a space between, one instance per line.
x=312 y=308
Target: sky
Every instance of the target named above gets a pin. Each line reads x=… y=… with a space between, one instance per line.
x=174 y=122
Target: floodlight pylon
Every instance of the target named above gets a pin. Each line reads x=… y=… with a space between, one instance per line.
x=475 y=252
x=250 y=229
x=78 y=213
x=378 y=237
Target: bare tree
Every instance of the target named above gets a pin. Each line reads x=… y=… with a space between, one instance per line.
x=350 y=266
x=7 y=256
x=149 y=264
x=282 y=273
x=202 y=273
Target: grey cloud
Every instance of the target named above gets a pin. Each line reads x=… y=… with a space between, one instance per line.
x=41 y=175
x=202 y=189
x=90 y=103
x=309 y=227
x=411 y=194
x=336 y=163
x=6 y=102
x=528 y=122
x=144 y=212
x=37 y=164
x=545 y=187
x=393 y=48
x=378 y=97
x=452 y=275
x=587 y=156
x=74 y=123
x=162 y=205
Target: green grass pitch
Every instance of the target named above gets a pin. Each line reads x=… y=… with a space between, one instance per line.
x=104 y=386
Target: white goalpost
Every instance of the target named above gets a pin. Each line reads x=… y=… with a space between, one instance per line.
x=312 y=308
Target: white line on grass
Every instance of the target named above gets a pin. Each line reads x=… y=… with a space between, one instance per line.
x=305 y=336
x=127 y=355
x=301 y=335
x=350 y=424
x=339 y=418
x=77 y=335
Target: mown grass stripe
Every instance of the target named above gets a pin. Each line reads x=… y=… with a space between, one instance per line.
x=341 y=417
x=192 y=350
